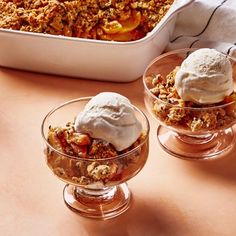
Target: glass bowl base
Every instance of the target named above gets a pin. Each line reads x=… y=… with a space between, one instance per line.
x=193 y=147
x=98 y=204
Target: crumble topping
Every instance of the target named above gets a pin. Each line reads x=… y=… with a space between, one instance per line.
x=119 y=20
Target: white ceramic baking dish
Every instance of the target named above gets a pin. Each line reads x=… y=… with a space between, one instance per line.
x=86 y=58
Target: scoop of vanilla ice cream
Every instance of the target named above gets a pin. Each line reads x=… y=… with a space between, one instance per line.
x=111 y=117
x=204 y=77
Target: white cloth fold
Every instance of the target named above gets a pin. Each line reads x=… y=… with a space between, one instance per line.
x=206 y=23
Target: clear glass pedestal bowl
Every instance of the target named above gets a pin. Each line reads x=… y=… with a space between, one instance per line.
x=194 y=133
x=101 y=196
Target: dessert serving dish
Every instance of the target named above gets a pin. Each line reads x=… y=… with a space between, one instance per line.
x=87 y=58
x=88 y=148
x=191 y=93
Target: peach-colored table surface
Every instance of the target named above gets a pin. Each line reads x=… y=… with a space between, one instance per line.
x=170 y=196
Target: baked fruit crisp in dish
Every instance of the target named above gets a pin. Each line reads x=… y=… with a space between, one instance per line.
x=118 y=20
x=196 y=96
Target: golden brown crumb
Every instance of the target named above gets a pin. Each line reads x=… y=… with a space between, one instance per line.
x=100 y=148
x=101 y=171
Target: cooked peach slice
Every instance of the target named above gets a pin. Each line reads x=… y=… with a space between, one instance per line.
x=131 y=23
x=124 y=26
x=112 y=27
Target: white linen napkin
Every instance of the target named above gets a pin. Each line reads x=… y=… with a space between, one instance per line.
x=206 y=23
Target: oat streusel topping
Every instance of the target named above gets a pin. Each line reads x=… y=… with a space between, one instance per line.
x=118 y=20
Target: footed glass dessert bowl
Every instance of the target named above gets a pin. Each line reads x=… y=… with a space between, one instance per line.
x=188 y=129
x=95 y=173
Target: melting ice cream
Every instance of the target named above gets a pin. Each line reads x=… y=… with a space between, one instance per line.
x=204 y=77
x=111 y=117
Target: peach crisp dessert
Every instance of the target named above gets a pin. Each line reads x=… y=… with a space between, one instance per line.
x=106 y=144
x=196 y=96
